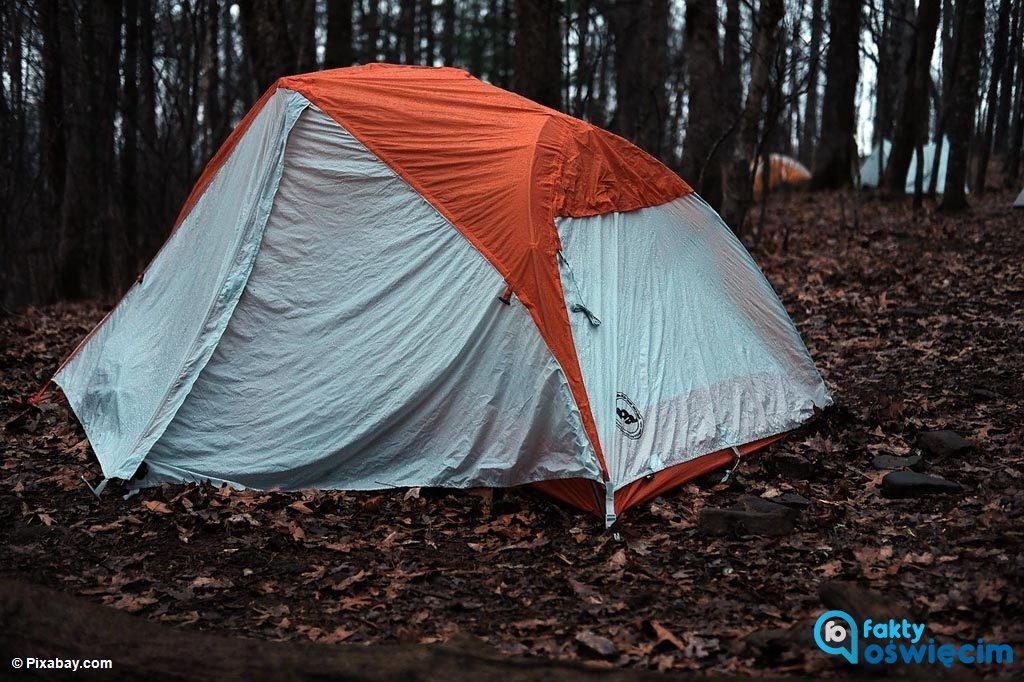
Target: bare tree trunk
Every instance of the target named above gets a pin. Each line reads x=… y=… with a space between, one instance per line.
x=426 y=29
x=1015 y=136
x=407 y=31
x=448 y=19
x=130 y=128
x=737 y=187
x=732 y=80
x=1013 y=62
x=269 y=48
x=912 y=124
x=997 y=66
x=584 y=80
x=950 y=16
x=302 y=33
x=895 y=47
x=970 y=37
x=791 y=102
x=810 y=130
x=370 y=26
x=90 y=79
x=52 y=133
x=152 y=229
x=597 y=109
x=539 y=51
x=1012 y=165
x=504 y=60
x=836 y=150
x=213 y=109
x=338 y=51
x=701 y=165
x=640 y=32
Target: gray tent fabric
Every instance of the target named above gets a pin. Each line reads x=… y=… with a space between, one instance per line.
x=1019 y=203
x=370 y=329
x=666 y=312
x=127 y=382
x=873 y=168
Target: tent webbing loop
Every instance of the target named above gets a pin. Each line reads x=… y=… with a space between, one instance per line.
x=579 y=306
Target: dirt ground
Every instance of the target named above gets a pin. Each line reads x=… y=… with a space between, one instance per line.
x=915 y=321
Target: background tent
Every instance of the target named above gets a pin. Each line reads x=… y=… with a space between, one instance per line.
x=401 y=276
x=1019 y=203
x=869 y=170
x=784 y=170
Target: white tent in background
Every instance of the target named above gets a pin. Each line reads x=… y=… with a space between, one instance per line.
x=1019 y=203
x=872 y=170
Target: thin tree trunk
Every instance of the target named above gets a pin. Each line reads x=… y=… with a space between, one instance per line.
x=370 y=26
x=970 y=37
x=504 y=66
x=407 y=31
x=584 y=81
x=895 y=51
x=1013 y=62
x=836 y=150
x=338 y=51
x=701 y=165
x=737 y=187
x=539 y=51
x=448 y=19
x=52 y=120
x=91 y=80
x=1015 y=137
x=271 y=51
x=998 y=64
x=426 y=27
x=912 y=124
x=1016 y=144
x=130 y=128
x=951 y=15
x=640 y=32
x=302 y=33
x=732 y=79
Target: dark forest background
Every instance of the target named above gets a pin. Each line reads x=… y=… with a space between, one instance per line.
x=109 y=110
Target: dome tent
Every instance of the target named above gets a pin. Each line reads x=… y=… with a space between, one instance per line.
x=1019 y=201
x=402 y=276
x=873 y=167
x=782 y=171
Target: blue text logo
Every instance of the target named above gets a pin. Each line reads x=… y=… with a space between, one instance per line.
x=837 y=633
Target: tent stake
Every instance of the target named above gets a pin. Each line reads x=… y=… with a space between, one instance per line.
x=98 y=490
x=733 y=466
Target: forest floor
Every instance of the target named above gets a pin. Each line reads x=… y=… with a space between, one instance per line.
x=915 y=321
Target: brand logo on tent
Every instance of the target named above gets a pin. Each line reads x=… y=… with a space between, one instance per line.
x=628 y=417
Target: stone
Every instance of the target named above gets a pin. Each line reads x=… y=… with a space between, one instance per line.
x=594 y=644
x=721 y=522
x=984 y=394
x=791 y=467
x=914 y=462
x=943 y=443
x=793 y=501
x=751 y=503
x=912 y=484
